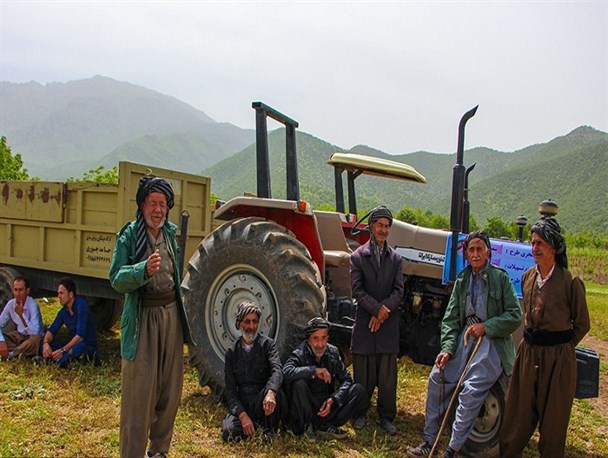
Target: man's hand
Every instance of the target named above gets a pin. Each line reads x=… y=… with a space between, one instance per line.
x=326 y=407
x=323 y=374
x=57 y=354
x=475 y=330
x=374 y=324
x=3 y=350
x=441 y=359
x=383 y=313
x=47 y=351
x=269 y=403
x=153 y=263
x=247 y=424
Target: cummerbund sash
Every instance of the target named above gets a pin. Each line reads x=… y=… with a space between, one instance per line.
x=535 y=336
x=158 y=299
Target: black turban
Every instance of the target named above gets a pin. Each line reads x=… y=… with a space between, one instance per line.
x=380 y=212
x=245 y=308
x=147 y=185
x=548 y=229
x=314 y=325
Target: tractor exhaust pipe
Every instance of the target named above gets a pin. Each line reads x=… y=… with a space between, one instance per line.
x=458 y=177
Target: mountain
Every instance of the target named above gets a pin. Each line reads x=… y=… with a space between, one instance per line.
x=569 y=169
x=64 y=129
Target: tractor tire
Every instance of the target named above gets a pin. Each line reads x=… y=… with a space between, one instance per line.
x=483 y=440
x=7 y=277
x=106 y=312
x=253 y=259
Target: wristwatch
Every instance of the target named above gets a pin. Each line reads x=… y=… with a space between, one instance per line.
x=63 y=351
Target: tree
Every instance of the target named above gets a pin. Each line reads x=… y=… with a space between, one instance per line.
x=11 y=167
x=98 y=176
x=497 y=228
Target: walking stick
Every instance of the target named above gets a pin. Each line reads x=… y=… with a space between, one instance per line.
x=455 y=393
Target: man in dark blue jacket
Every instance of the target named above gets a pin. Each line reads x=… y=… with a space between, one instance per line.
x=323 y=395
x=77 y=317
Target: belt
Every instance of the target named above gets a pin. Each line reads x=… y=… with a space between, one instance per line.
x=157 y=299
x=535 y=336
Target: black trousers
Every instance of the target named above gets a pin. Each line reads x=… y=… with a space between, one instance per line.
x=380 y=371
x=232 y=429
x=304 y=406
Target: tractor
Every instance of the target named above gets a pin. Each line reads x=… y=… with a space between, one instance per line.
x=294 y=263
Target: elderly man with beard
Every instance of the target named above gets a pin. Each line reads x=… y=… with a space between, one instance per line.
x=145 y=267
x=483 y=303
x=322 y=394
x=377 y=284
x=253 y=379
x=556 y=318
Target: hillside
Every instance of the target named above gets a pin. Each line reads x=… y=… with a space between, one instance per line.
x=63 y=129
x=571 y=169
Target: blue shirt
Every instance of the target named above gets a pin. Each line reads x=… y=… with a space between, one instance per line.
x=79 y=323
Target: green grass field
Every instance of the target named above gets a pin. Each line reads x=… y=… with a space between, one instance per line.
x=49 y=412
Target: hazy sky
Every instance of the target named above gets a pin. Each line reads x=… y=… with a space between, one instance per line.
x=393 y=75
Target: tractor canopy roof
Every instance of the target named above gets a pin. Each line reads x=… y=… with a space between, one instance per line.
x=376 y=166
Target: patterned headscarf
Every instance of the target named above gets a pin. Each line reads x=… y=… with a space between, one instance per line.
x=245 y=308
x=380 y=212
x=548 y=229
x=147 y=185
x=314 y=325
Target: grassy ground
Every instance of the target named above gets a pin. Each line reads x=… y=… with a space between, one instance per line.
x=49 y=412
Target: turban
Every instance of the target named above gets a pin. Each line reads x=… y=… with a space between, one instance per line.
x=245 y=308
x=314 y=325
x=380 y=212
x=147 y=185
x=548 y=229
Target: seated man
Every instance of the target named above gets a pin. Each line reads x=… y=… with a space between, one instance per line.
x=483 y=303
x=253 y=378
x=23 y=312
x=322 y=393
x=77 y=317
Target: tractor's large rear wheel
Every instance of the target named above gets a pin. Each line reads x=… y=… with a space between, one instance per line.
x=253 y=259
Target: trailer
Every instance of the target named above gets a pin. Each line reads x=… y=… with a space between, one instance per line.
x=53 y=229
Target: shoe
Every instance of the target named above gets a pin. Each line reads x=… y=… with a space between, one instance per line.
x=269 y=436
x=359 y=422
x=449 y=453
x=387 y=426
x=334 y=431
x=310 y=434
x=156 y=455
x=423 y=449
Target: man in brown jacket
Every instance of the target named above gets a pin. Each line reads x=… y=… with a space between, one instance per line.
x=544 y=376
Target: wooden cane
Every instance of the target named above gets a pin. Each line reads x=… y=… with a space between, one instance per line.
x=460 y=380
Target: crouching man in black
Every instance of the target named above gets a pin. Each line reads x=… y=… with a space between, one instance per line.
x=322 y=393
x=253 y=379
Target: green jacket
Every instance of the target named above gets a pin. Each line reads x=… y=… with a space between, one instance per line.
x=504 y=314
x=129 y=276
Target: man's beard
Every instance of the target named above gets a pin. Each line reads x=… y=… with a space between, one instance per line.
x=153 y=225
x=249 y=337
x=319 y=353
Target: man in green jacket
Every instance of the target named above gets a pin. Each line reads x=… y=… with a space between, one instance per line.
x=483 y=303
x=145 y=267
